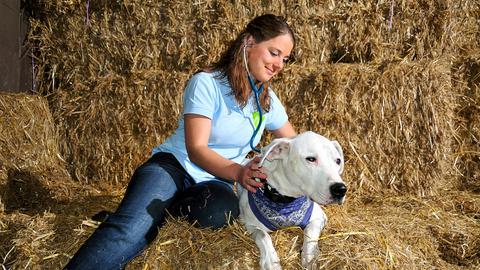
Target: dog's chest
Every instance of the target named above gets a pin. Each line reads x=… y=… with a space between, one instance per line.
x=276 y=215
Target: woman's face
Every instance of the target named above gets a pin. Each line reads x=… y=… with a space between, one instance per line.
x=266 y=59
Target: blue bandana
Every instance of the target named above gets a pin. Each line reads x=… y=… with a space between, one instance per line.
x=275 y=215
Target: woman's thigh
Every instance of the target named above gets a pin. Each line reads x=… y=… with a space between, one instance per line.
x=152 y=189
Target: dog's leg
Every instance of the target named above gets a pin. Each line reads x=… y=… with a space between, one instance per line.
x=268 y=256
x=310 y=242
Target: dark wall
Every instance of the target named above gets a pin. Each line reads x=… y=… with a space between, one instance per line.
x=15 y=61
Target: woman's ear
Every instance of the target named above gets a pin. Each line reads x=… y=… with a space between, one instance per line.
x=249 y=41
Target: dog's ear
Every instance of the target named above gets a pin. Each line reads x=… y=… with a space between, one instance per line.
x=277 y=149
x=340 y=151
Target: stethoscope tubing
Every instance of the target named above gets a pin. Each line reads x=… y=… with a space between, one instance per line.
x=256 y=91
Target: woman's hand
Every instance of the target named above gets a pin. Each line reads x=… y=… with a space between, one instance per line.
x=247 y=174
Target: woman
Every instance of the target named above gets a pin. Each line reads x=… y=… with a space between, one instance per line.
x=192 y=173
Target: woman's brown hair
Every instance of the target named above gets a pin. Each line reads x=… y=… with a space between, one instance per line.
x=231 y=64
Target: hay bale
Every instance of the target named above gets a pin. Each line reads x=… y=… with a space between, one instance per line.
x=122 y=47
x=111 y=123
x=29 y=158
x=28 y=136
x=183 y=37
x=115 y=41
x=393 y=121
x=367 y=31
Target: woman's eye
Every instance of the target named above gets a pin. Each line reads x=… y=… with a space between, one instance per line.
x=311 y=159
x=274 y=53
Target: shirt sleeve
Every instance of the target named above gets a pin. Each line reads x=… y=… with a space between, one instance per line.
x=277 y=116
x=200 y=95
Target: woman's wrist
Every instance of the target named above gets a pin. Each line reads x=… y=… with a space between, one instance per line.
x=237 y=169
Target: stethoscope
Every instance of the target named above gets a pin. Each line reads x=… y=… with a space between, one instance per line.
x=257 y=91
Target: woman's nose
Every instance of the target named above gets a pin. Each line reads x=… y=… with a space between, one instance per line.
x=278 y=64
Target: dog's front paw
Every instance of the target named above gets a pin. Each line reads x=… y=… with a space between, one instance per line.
x=271 y=266
x=308 y=261
x=271 y=262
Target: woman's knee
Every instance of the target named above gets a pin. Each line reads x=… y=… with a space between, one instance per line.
x=208 y=204
x=151 y=187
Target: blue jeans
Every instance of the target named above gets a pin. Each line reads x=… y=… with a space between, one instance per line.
x=159 y=185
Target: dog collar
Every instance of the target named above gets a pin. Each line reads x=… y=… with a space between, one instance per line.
x=273 y=195
x=276 y=215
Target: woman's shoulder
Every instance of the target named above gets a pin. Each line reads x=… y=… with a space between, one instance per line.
x=274 y=99
x=205 y=75
x=213 y=78
x=271 y=92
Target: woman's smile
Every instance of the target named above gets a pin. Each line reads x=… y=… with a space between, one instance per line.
x=266 y=59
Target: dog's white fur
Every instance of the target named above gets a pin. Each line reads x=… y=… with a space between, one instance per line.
x=306 y=165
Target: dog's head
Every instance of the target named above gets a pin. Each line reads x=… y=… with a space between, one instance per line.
x=308 y=164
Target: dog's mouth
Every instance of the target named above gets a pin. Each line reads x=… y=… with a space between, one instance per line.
x=322 y=199
x=328 y=199
x=339 y=201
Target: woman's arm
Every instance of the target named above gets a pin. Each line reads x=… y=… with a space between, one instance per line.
x=286 y=131
x=197 y=132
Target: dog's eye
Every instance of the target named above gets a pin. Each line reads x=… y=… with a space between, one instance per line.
x=338 y=161
x=311 y=159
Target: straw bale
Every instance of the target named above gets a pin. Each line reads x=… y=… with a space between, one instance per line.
x=104 y=37
x=392 y=119
x=367 y=31
x=29 y=151
x=111 y=123
x=467 y=119
x=124 y=45
x=27 y=135
x=85 y=47
x=375 y=232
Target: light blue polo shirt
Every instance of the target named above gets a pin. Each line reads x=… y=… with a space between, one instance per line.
x=231 y=127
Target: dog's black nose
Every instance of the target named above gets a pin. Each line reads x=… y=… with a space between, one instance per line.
x=338 y=190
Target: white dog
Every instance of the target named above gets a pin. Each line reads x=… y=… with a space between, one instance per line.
x=303 y=173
